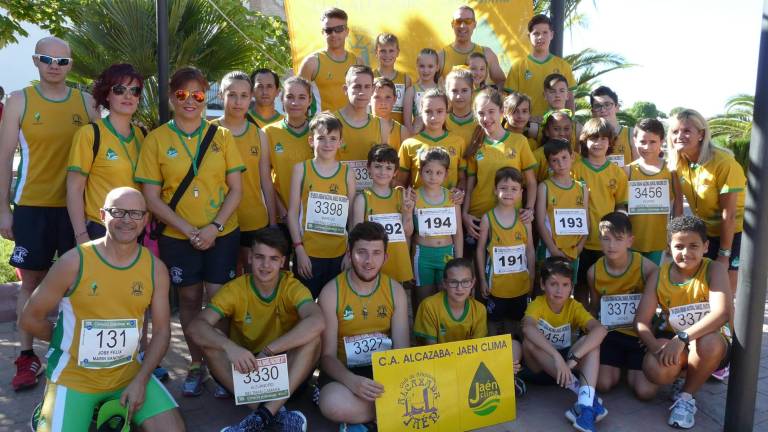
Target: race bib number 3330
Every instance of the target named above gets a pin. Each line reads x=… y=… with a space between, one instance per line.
x=269 y=381
x=107 y=343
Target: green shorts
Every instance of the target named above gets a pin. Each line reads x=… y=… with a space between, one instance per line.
x=429 y=263
x=654 y=256
x=65 y=409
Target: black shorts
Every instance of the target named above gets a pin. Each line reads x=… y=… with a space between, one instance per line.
x=188 y=266
x=95 y=230
x=622 y=351
x=363 y=371
x=500 y=309
x=246 y=238
x=323 y=271
x=714 y=246
x=542 y=377
x=586 y=259
x=41 y=234
x=725 y=361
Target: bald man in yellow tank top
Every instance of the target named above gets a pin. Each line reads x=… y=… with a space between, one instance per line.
x=40 y=120
x=326 y=68
x=457 y=53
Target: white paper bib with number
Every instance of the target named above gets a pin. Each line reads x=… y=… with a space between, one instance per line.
x=617 y=160
x=399 y=95
x=327 y=213
x=363 y=179
x=107 y=343
x=571 y=222
x=269 y=381
x=560 y=337
x=509 y=259
x=360 y=348
x=682 y=317
x=649 y=197
x=436 y=221
x=392 y=223
x=618 y=310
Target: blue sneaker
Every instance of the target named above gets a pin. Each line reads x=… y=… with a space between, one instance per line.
x=220 y=392
x=360 y=427
x=291 y=421
x=599 y=409
x=193 y=383
x=251 y=422
x=161 y=373
x=585 y=420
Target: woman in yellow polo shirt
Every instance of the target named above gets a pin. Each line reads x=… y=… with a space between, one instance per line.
x=199 y=242
x=91 y=176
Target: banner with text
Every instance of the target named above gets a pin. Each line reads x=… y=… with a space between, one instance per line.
x=502 y=25
x=446 y=387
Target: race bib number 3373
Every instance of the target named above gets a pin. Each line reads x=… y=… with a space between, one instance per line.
x=269 y=381
x=107 y=343
x=618 y=310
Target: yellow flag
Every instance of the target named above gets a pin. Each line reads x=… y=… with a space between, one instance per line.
x=502 y=25
x=446 y=387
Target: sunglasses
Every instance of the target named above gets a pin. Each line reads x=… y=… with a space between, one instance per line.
x=120 y=89
x=61 y=61
x=335 y=29
x=466 y=21
x=197 y=95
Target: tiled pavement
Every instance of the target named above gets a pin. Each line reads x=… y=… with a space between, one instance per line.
x=540 y=410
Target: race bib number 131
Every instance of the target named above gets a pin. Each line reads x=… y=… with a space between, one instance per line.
x=107 y=343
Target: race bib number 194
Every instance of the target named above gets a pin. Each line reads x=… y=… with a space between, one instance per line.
x=436 y=221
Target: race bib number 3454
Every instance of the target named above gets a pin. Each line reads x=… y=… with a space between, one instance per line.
x=269 y=381
x=326 y=213
x=107 y=343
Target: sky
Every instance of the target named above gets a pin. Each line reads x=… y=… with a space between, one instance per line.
x=691 y=53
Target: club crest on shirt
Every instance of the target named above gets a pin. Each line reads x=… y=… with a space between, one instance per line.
x=528 y=74
x=254 y=151
x=172 y=152
x=111 y=155
x=334 y=188
x=137 y=288
x=77 y=120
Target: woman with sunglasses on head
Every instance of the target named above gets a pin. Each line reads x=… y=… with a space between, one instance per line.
x=198 y=233
x=104 y=154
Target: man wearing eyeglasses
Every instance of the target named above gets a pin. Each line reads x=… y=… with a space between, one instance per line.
x=40 y=120
x=102 y=289
x=458 y=51
x=327 y=68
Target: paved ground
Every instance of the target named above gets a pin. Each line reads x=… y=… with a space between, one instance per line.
x=540 y=410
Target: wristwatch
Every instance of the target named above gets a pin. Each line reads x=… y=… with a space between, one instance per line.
x=683 y=336
x=572 y=356
x=219 y=227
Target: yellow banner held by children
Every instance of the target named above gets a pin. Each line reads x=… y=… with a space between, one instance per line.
x=502 y=25
x=446 y=387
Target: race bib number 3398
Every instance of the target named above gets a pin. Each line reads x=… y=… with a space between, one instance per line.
x=327 y=213
x=107 y=343
x=269 y=381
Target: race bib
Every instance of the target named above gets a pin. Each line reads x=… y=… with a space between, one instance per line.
x=327 y=213
x=559 y=337
x=363 y=179
x=392 y=223
x=360 y=348
x=269 y=381
x=618 y=310
x=682 y=317
x=509 y=259
x=399 y=94
x=617 y=160
x=571 y=222
x=436 y=221
x=649 y=197
x=107 y=343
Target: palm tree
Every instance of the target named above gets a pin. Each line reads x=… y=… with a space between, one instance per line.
x=736 y=123
x=123 y=31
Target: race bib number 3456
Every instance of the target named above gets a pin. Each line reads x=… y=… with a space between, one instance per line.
x=107 y=343
x=648 y=197
x=326 y=213
x=269 y=381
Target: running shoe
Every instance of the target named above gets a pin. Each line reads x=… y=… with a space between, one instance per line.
x=722 y=374
x=291 y=421
x=28 y=368
x=676 y=388
x=316 y=394
x=193 y=383
x=683 y=411
x=250 y=423
x=160 y=372
x=520 y=387
x=220 y=392
x=597 y=407
x=585 y=418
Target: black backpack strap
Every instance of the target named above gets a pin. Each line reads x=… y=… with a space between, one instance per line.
x=251 y=120
x=96 y=140
x=184 y=185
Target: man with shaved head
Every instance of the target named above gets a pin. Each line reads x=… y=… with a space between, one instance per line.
x=102 y=289
x=40 y=121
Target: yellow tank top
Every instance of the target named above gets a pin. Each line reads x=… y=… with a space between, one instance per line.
x=101 y=292
x=329 y=79
x=395 y=138
x=357 y=141
x=412 y=148
x=462 y=128
x=252 y=211
x=397 y=108
x=113 y=167
x=422 y=203
x=398 y=264
x=286 y=149
x=360 y=315
x=453 y=57
x=622 y=145
x=559 y=197
x=645 y=228
x=512 y=258
x=45 y=138
x=317 y=244
x=260 y=121
x=694 y=290
x=632 y=281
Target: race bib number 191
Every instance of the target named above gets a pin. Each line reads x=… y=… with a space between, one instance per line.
x=509 y=259
x=107 y=343
x=269 y=381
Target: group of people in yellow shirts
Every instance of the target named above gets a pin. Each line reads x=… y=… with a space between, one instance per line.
x=479 y=194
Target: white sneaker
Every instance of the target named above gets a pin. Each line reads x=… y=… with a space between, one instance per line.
x=683 y=411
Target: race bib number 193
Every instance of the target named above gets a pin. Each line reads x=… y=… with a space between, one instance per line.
x=571 y=221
